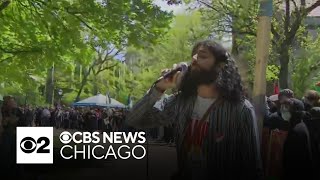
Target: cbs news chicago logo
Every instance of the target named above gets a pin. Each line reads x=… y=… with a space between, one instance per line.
x=34 y=145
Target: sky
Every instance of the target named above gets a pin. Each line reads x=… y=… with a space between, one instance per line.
x=175 y=8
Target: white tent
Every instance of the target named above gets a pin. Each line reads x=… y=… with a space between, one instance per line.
x=99 y=100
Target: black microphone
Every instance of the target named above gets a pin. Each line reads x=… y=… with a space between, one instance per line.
x=182 y=67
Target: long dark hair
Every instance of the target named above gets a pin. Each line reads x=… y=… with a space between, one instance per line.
x=225 y=74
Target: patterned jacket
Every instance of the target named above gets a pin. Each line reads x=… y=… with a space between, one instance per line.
x=236 y=156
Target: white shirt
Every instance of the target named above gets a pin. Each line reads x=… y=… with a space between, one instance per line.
x=201 y=106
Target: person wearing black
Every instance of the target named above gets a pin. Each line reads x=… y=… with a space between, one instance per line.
x=311 y=99
x=38 y=116
x=12 y=117
x=314 y=127
x=29 y=115
x=90 y=119
x=298 y=161
x=277 y=120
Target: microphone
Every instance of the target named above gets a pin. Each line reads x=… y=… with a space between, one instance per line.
x=182 y=67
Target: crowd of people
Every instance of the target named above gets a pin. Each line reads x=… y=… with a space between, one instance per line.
x=78 y=118
x=81 y=118
x=291 y=137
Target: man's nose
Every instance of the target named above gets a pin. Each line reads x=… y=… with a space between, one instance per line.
x=194 y=58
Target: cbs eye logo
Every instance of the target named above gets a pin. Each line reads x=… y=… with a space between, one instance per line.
x=29 y=145
x=65 y=137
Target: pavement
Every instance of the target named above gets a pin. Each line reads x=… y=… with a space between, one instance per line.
x=159 y=163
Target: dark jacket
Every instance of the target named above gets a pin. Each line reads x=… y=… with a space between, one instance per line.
x=275 y=121
x=236 y=156
x=298 y=156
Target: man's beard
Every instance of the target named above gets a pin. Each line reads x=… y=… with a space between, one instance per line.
x=202 y=76
x=195 y=77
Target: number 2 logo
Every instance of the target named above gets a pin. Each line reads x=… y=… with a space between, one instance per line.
x=29 y=145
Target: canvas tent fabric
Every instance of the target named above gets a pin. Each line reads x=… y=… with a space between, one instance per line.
x=99 y=100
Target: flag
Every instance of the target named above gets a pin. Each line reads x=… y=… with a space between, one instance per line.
x=276 y=88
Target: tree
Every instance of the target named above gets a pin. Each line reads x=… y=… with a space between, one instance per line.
x=37 y=34
x=284 y=28
x=306 y=66
x=146 y=64
x=239 y=20
x=100 y=63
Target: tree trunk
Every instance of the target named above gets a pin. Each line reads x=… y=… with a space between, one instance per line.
x=95 y=84
x=284 y=68
x=83 y=83
x=49 y=86
x=72 y=77
x=235 y=46
x=262 y=56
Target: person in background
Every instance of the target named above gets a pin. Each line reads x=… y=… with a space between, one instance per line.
x=106 y=122
x=90 y=119
x=273 y=103
x=277 y=120
x=74 y=118
x=311 y=99
x=314 y=128
x=66 y=118
x=45 y=117
x=38 y=116
x=12 y=117
x=98 y=113
x=29 y=114
x=298 y=161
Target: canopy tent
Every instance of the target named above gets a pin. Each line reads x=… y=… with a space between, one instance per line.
x=99 y=100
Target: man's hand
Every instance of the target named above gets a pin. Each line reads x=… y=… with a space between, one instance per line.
x=168 y=83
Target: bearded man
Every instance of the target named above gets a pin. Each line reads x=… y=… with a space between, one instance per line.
x=216 y=129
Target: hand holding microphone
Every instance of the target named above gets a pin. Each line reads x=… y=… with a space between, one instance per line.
x=170 y=78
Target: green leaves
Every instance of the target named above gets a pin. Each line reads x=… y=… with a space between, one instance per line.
x=306 y=66
x=272 y=72
x=145 y=65
x=35 y=34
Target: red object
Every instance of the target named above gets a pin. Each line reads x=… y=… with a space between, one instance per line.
x=318 y=84
x=276 y=88
x=274 y=153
